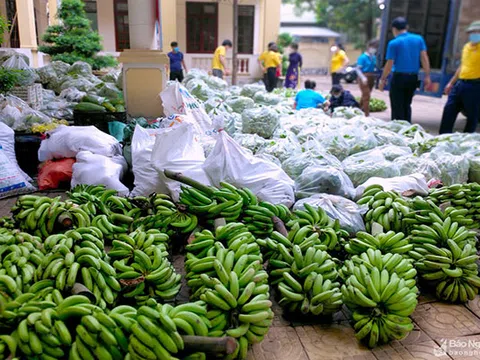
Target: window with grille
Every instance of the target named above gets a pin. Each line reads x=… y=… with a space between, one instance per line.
x=122 y=31
x=246 y=26
x=202 y=27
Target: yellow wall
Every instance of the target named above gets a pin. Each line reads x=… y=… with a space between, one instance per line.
x=106 y=24
x=168 y=13
x=270 y=19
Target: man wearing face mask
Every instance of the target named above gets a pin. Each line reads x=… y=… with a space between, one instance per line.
x=367 y=64
x=404 y=55
x=463 y=90
x=176 y=63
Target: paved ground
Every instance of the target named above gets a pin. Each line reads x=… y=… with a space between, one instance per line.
x=427 y=111
x=455 y=327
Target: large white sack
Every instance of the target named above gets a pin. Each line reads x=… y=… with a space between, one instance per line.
x=178 y=150
x=93 y=169
x=12 y=182
x=178 y=101
x=146 y=180
x=415 y=182
x=229 y=162
x=7 y=141
x=68 y=141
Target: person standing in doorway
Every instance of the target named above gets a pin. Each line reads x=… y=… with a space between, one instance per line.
x=405 y=53
x=463 y=90
x=338 y=63
x=294 y=66
x=219 y=62
x=176 y=63
x=270 y=62
x=367 y=64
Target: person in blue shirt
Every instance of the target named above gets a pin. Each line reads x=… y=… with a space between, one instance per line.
x=404 y=55
x=176 y=63
x=308 y=98
x=367 y=64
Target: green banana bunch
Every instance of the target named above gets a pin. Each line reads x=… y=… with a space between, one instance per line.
x=148 y=274
x=382 y=293
x=398 y=263
x=386 y=208
x=158 y=329
x=123 y=245
x=168 y=217
x=461 y=197
x=390 y=242
x=20 y=262
x=306 y=280
x=232 y=236
x=113 y=224
x=260 y=218
x=452 y=269
x=425 y=212
x=98 y=336
x=8 y=347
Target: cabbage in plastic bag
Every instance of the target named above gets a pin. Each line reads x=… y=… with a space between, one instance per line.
x=346 y=211
x=48 y=95
x=239 y=103
x=388 y=137
x=362 y=166
x=232 y=122
x=265 y=98
x=323 y=179
x=250 y=90
x=28 y=76
x=216 y=103
x=418 y=164
x=296 y=164
x=112 y=76
x=195 y=74
x=262 y=121
x=453 y=168
x=72 y=95
x=80 y=68
x=346 y=112
x=200 y=89
x=235 y=90
x=282 y=149
x=216 y=83
x=251 y=142
x=108 y=90
x=80 y=84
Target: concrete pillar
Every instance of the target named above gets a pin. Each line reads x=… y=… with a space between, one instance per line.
x=52 y=12
x=42 y=17
x=141 y=17
x=26 y=27
x=106 y=24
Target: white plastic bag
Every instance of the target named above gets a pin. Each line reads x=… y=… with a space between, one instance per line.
x=7 y=141
x=92 y=169
x=177 y=150
x=68 y=141
x=146 y=180
x=12 y=181
x=323 y=179
x=178 y=101
x=346 y=211
x=229 y=162
x=414 y=182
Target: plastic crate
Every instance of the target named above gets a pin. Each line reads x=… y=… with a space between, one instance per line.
x=98 y=119
x=32 y=95
x=26 y=151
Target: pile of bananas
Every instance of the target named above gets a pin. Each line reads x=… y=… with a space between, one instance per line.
x=391 y=242
x=306 y=280
x=158 y=328
x=113 y=224
x=381 y=292
x=426 y=212
x=386 y=208
x=144 y=270
x=43 y=216
x=230 y=279
x=446 y=257
x=20 y=262
x=462 y=197
x=8 y=347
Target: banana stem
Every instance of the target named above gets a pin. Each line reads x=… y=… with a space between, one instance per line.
x=279 y=226
x=80 y=289
x=216 y=345
x=219 y=222
x=188 y=181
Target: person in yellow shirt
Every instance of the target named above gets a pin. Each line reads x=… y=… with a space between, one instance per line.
x=270 y=61
x=219 y=62
x=338 y=63
x=463 y=89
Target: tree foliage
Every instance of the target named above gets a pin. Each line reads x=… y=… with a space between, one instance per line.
x=4 y=27
x=356 y=18
x=73 y=39
x=283 y=41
